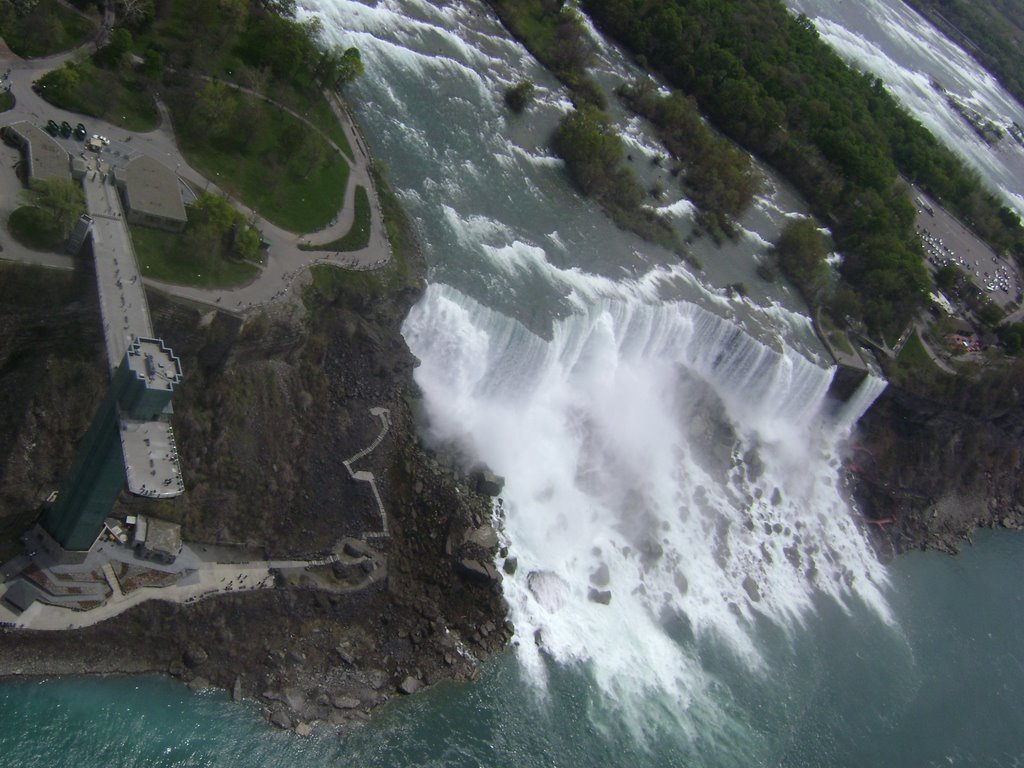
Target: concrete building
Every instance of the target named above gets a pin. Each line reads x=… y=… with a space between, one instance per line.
x=139 y=396
x=151 y=194
x=44 y=158
x=157 y=540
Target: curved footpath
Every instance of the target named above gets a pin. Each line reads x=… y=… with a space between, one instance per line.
x=285 y=261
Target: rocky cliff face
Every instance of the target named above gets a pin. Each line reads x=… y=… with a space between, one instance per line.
x=939 y=469
x=268 y=411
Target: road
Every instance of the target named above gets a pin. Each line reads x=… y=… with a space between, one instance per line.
x=285 y=261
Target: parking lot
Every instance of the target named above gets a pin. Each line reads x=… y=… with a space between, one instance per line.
x=947 y=241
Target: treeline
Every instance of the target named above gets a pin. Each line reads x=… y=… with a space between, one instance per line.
x=767 y=81
x=594 y=155
x=555 y=36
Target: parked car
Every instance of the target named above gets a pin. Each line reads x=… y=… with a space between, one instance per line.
x=52 y=128
x=80 y=132
x=65 y=129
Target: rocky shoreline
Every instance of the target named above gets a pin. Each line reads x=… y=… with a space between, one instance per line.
x=926 y=473
x=269 y=408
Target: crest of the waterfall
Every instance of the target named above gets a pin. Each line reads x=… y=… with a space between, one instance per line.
x=666 y=473
x=869 y=390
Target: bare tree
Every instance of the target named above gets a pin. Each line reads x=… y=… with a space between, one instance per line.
x=134 y=11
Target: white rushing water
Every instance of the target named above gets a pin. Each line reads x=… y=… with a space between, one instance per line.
x=672 y=463
x=658 y=454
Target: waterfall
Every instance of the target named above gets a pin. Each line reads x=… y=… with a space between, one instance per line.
x=657 y=458
x=863 y=398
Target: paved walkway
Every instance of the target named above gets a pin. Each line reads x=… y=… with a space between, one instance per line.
x=284 y=260
x=366 y=476
x=199 y=578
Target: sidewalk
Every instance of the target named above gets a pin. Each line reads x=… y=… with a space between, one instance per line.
x=284 y=259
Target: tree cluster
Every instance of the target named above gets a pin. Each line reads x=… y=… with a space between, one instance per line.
x=555 y=35
x=719 y=177
x=800 y=252
x=217 y=230
x=64 y=201
x=594 y=156
x=519 y=96
x=766 y=79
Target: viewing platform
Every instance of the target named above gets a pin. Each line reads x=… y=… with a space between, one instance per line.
x=151 y=462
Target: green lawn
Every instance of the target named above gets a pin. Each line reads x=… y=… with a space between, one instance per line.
x=272 y=162
x=101 y=93
x=358 y=235
x=836 y=337
x=36 y=229
x=166 y=256
x=315 y=108
x=331 y=284
x=6 y=101
x=914 y=355
x=48 y=28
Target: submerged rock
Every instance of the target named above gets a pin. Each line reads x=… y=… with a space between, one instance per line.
x=602 y=596
x=549 y=588
x=750 y=586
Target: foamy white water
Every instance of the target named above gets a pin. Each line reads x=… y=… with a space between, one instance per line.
x=656 y=453
x=668 y=448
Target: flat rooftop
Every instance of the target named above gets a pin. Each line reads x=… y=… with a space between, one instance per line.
x=151 y=187
x=154 y=363
x=122 y=298
x=47 y=159
x=158 y=535
x=151 y=461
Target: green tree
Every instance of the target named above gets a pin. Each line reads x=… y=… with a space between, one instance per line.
x=152 y=63
x=519 y=96
x=61 y=83
x=63 y=200
x=213 y=113
x=113 y=54
x=350 y=68
x=947 y=276
x=801 y=251
x=247 y=242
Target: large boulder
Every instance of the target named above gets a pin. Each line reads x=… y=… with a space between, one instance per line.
x=485 y=536
x=486 y=482
x=345 y=702
x=280 y=718
x=475 y=569
x=409 y=685
x=194 y=656
x=750 y=587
